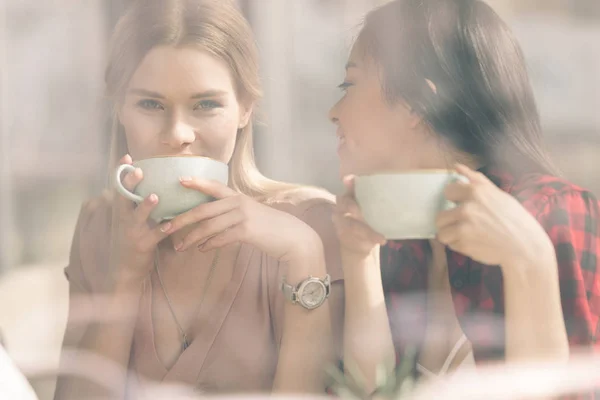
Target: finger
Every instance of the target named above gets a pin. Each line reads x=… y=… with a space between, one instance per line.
x=449 y=217
x=150 y=238
x=458 y=191
x=126 y=159
x=210 y=228
x=347 y=205
x=141 y=214
x=123 y=204
x=209 y=187
x=222 y=239
x=458 y=246
x=449 y=234
x=132 y=179
x=348 y=181
x=473 y=176
x=203 y=212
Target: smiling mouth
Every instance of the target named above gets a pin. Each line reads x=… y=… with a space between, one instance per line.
x=341 y=141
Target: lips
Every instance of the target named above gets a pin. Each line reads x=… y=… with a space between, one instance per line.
x=341 y=140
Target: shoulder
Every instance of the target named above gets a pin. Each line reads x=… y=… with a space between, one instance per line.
x=545 y=187
x=569 y=214
x=543 y=194
x=95 y=217
x=91 y=241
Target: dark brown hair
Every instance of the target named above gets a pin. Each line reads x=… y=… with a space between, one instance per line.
x=483 y=103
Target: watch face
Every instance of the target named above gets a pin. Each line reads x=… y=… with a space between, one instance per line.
x=313 y=294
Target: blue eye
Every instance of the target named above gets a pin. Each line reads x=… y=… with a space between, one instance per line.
x=150 y=105
x=207 y=105
x=345 y=85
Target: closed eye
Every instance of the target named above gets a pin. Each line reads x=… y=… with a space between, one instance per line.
x=345 y=85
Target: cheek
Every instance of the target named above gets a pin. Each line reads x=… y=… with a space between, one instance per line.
x=220 y=127
x=141 y=132
x=369 y=126
x=218 y=133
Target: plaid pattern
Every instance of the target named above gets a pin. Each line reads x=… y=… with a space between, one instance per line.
x=570 y=216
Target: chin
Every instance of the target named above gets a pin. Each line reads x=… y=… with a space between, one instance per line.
x=345 y=170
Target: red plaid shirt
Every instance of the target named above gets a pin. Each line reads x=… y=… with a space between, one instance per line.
x=570 y=216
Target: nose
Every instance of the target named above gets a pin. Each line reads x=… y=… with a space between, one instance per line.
x=178 y=134
x=333 y=113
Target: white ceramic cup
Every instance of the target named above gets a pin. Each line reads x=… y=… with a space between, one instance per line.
x=161 y=177
x=404 y=205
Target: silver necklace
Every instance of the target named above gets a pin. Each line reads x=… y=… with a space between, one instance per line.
x=184 y=339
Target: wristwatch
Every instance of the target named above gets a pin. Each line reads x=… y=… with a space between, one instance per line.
x=310 y=293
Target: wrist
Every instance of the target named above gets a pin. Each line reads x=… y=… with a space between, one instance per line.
x=118 y=302
x=531 y=253
x=125 y=282
x=532 y=267
x=352 y=260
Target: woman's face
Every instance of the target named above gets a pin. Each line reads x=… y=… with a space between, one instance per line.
x=182 y=101
x=374 y=135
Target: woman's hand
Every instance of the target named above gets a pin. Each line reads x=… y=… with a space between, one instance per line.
x=357 y=239
x=134 y=237
x=234 y=217
x=489 y=225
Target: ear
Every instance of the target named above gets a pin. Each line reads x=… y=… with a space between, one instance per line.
x=431 y=86
x=245 y=115
x=413 y=118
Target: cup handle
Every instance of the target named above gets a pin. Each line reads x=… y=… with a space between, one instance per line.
x=448 y=205
x=119 y=185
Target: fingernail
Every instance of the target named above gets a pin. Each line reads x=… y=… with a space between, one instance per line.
x=179 y=246
x=153 y=198
x=166 y=227
x=185 y=179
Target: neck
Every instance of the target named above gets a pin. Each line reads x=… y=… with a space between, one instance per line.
x=444 y=155
x=448 y=156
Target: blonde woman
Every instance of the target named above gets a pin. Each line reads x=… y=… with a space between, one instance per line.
x=199 y=297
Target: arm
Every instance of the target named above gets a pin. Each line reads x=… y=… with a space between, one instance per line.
x=547 y=249
x=535 y=328
x=116 y=256
x=111 y=340
x=94 y=328
x=310 y=340
x=306 y=340
x=368 y=339
x=562 y=290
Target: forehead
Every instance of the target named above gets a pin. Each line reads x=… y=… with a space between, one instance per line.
x=181 y=69
x=359 y=61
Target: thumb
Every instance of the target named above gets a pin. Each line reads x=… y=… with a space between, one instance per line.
x=471 y=175
x=348 y=181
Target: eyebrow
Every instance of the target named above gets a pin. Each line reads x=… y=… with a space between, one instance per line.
x=202 y=95
x=351 y=64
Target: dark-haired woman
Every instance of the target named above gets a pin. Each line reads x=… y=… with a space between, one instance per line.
x=514 y=271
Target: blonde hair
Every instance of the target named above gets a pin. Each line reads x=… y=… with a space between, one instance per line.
x=215 y=26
